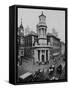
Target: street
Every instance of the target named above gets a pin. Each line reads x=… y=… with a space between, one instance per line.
x=28 y=66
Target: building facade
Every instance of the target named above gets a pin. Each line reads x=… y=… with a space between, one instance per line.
x=55 y=43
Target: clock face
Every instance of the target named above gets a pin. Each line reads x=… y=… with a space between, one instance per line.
x=21 y=31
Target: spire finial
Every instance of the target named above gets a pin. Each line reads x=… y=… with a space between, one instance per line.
x=42 y=12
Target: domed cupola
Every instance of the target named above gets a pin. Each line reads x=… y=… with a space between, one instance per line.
x=42 y=18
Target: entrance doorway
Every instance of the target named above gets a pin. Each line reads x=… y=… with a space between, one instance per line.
x=46 y=55
x=42 y=58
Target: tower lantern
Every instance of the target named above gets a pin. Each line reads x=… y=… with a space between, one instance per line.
x=42 y=29
x=42 y=19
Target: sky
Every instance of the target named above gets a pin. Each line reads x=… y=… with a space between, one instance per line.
x=54 y=19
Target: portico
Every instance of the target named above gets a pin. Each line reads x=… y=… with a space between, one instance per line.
x=41 y=55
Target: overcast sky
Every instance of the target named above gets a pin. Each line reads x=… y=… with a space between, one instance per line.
x=54 y=19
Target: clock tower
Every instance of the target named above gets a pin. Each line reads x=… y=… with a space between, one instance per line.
x=21 y=34
x=20 y=43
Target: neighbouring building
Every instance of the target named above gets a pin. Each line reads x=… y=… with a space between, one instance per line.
x=20 y=39
x=55 y=43
x=30 y=40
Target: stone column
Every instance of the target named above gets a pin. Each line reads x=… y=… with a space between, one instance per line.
x=44 y=32
x=48 y=55
x=45 y=55
x=41 y=33
x=37 y=55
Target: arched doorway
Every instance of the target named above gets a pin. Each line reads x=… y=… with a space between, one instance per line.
x=42 y=58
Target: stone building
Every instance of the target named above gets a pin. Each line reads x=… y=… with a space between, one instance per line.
x=42 y=48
